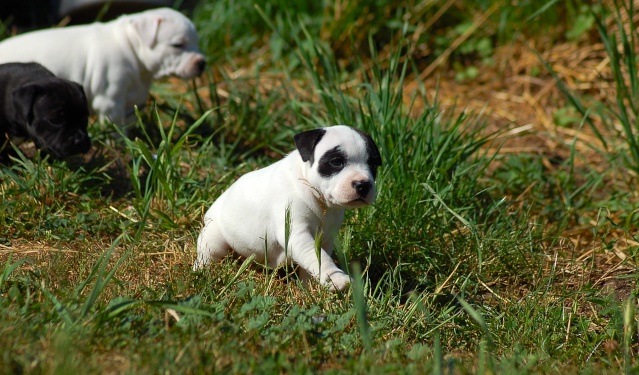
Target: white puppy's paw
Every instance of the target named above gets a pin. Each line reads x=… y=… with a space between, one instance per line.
x=200 y=262
x=338 y=281
x=197 y=266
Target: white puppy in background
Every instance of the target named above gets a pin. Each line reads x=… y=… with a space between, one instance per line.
x=332 y=169
x=116 y=61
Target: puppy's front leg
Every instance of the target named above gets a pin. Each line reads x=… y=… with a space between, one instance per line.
x=109 y=109
x=320 y=267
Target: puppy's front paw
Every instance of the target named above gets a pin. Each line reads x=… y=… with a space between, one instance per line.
x=200 y=262
x=338 y=281
x=197 y=266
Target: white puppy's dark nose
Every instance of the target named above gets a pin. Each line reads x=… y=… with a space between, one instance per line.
x=201 y=64
x=362 y=187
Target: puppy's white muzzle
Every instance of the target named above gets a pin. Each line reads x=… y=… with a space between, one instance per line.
x=194 y=67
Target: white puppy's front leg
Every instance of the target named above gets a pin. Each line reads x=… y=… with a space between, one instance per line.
x=109 y=109
x=320 y=267
x=117 y=101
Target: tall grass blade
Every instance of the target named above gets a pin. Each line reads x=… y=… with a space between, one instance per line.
x=164 y=177
x=628 y=331
x=9 y=268
x=125 y=306
x=573 y=99
x=318 y=248
x=179 y=308
x=476 y=317
x=287 y=233
x=343 y=248
x=438 y=356
x=245 y=264
x=624 y=71
x=541 y=10
x=63 y=312
x=361 y=308
x=484 y=365
x=119 y=308
x=102 y=280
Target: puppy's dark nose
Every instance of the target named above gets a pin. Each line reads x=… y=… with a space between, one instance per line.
x=201 y=64
x=83 y=144
x=362 y=187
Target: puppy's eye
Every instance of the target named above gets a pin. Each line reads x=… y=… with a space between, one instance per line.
x=179 y=45
x=56 y=121
x=337 y=162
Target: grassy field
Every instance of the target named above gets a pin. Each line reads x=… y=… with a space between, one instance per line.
x=503 y=238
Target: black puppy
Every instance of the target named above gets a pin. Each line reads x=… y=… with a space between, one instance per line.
x=36 y=105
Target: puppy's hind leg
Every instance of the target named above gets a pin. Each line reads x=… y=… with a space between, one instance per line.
x=211 y=246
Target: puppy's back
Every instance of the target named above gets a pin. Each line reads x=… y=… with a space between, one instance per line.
x=60 y=50
x=19 y=73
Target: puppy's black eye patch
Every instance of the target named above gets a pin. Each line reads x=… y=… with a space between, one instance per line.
x=332 y=162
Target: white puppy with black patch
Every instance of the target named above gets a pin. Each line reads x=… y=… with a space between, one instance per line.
x=333 y=169
x=115 y=62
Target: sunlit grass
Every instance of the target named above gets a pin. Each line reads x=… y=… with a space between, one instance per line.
x=462 y=265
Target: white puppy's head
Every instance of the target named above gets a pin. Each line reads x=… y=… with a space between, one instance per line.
x=167 y=43
x=342 y=164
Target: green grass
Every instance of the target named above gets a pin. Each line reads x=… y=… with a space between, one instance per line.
x=463 y=265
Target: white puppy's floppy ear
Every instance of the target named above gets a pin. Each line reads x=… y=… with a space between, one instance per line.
x=306 y=142
x=147 y=27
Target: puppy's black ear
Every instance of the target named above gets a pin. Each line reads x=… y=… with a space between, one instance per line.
x=81 y=93
x=374 y=157
x=306 y=142
x=23 y=98
x=77 y=87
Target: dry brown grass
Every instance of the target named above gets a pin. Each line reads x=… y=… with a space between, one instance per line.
x=516 y=93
